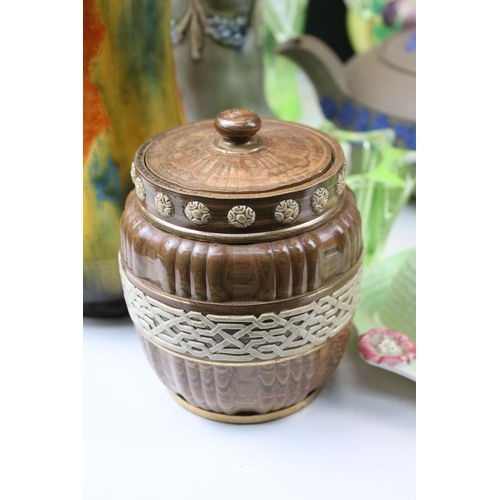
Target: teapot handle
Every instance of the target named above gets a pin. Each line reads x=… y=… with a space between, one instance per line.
x=321 y=64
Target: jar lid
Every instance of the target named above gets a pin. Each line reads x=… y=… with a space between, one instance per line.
x=239 y=178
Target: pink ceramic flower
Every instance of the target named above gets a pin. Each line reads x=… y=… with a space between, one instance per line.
x=386 y=346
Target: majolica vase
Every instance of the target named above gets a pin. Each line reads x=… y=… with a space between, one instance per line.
x=129 y=94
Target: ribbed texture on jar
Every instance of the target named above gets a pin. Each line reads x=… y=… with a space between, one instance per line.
x=218 y=272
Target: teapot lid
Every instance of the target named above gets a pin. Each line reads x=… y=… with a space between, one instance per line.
x=400 y=51
x=239 y=178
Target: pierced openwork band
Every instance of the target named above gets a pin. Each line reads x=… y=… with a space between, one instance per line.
x=243 y=338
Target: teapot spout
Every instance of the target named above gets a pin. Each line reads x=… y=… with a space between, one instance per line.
x=320 y=63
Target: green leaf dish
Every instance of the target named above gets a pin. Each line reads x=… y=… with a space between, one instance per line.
x=386 y=315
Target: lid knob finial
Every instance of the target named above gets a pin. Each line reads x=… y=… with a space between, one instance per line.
x=237 y=126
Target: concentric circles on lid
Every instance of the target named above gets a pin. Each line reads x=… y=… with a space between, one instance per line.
x=238 y=176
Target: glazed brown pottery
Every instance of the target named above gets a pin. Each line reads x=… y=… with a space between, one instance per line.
x=241 y=259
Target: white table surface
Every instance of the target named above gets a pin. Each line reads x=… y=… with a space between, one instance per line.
x=356 y=440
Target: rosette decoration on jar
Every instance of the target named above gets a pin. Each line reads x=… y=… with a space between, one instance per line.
x=241 y=263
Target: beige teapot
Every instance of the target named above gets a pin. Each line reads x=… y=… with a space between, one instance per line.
x=372 y=90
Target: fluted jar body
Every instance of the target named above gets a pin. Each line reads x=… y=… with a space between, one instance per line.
x=241 y=260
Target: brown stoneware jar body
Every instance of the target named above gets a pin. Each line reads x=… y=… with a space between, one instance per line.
x=241 y=259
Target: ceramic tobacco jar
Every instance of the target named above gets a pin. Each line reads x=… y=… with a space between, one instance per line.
x=241 y=260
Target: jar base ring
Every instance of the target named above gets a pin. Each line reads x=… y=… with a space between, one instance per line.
x=253 y=418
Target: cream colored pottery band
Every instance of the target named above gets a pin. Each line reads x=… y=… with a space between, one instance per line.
x=243 y=338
